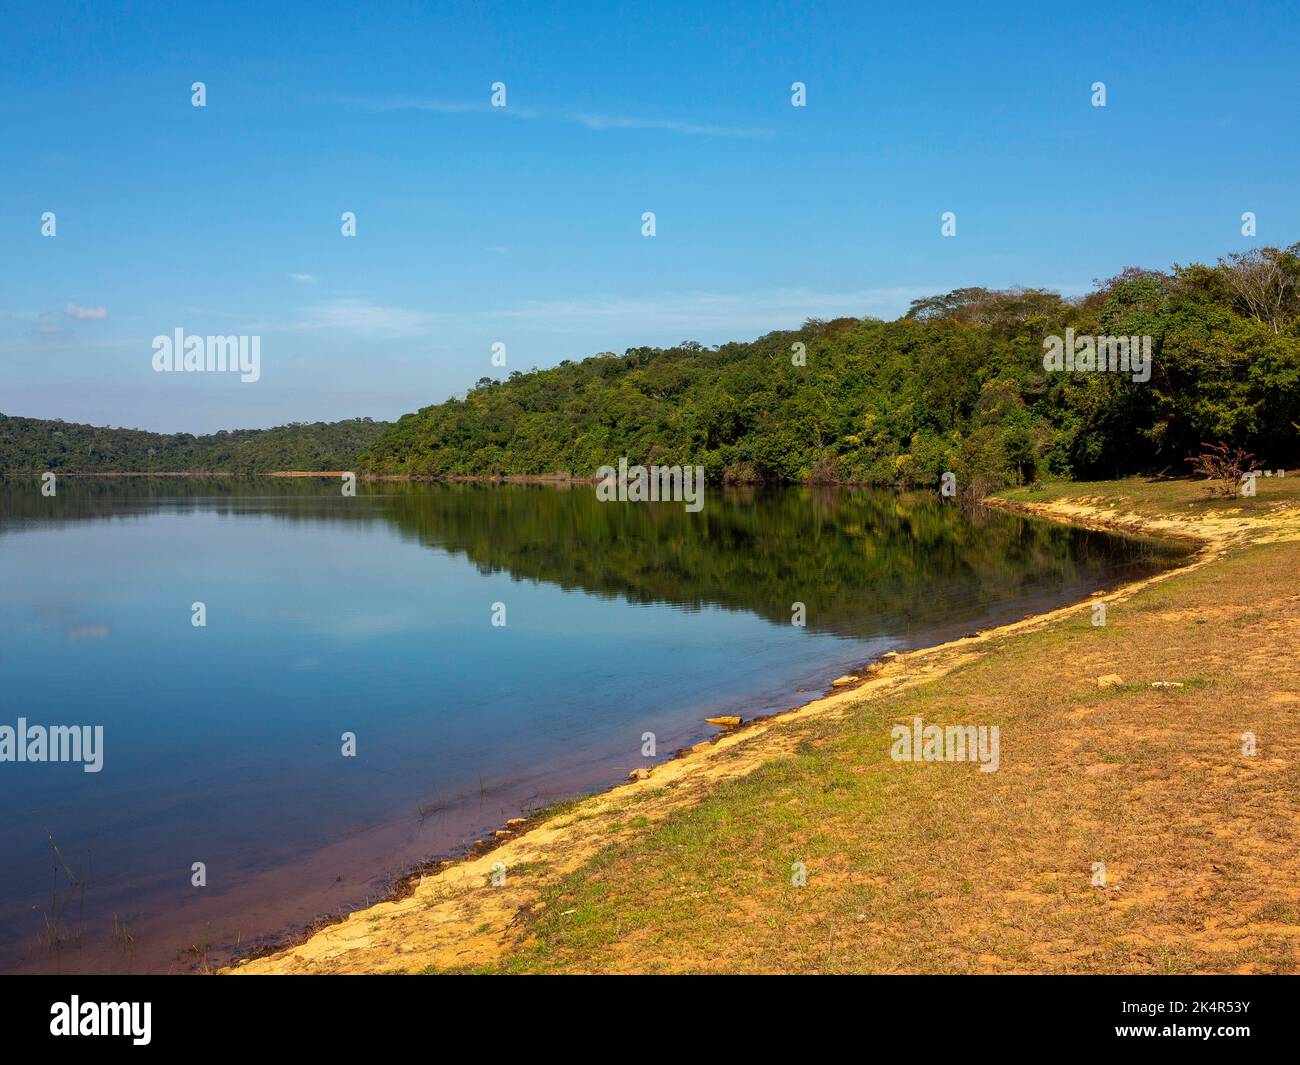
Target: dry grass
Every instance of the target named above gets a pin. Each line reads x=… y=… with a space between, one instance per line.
x=940 y=868
x=936 y=867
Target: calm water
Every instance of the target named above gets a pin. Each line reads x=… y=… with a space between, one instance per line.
x=372 y=615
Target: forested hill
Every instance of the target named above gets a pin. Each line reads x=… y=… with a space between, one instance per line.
x=34 y=445
x=957 y=384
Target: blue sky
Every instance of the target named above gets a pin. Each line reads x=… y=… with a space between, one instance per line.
x=522 y=225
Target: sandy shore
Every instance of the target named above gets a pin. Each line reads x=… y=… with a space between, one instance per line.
x=458 y=917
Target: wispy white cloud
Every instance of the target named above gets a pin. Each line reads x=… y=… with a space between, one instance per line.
x=442 y=107
x=89 y=632
x=691 y=313
x=82 y=314
x=755 y=311
x=597 y=122
x=365 y=318
x=305 y=279
x=671 y=125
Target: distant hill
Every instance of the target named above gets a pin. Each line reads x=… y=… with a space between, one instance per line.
x=36 y=445
x=957 y=384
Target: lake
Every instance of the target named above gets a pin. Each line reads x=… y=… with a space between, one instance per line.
x=373 y=616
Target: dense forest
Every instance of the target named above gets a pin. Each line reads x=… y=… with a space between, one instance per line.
x=957 y=384
x=29 y=445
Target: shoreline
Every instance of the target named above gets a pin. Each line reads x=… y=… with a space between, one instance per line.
x=444 y=914
x=555 y=480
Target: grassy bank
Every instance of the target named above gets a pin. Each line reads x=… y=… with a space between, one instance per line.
x=937 y=867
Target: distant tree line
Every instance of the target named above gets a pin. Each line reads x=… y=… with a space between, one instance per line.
x=35 y=444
